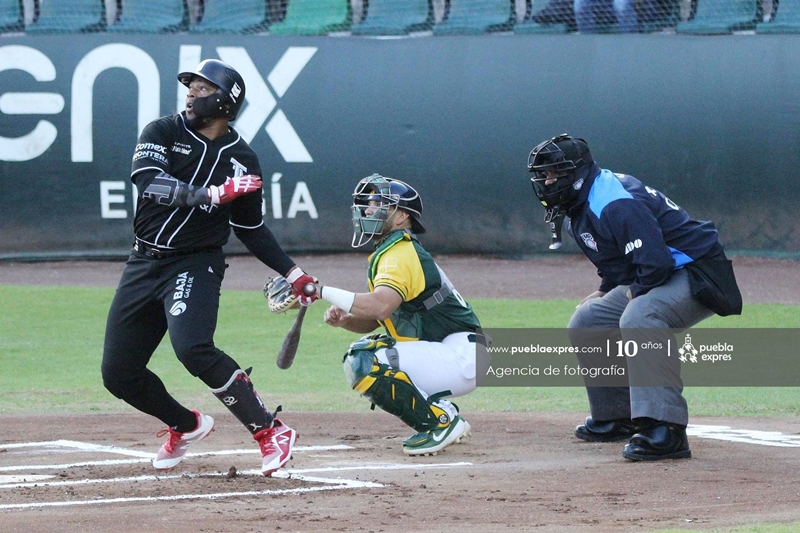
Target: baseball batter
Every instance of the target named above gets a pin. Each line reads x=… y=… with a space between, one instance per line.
x=196 y=178
x=427 y=352
x=646 y=249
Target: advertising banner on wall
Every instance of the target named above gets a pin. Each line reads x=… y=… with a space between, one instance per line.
x=711 y=122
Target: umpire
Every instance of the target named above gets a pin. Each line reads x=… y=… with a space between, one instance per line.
x=659 y=270
x=196 y=177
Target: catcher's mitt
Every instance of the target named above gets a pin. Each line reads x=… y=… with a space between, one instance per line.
x=279 y=295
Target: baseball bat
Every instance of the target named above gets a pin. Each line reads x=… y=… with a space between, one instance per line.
x=292 y=341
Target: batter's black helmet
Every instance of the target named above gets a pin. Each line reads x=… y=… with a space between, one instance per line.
x=390 y=195
x=224 y=103
x=565 y=159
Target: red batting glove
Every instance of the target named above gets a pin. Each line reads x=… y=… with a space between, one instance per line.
x=234 y=188
x=303 y=284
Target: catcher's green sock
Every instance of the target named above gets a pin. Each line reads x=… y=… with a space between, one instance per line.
x=431 y=442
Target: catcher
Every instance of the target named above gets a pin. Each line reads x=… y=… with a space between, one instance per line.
x=428 y=351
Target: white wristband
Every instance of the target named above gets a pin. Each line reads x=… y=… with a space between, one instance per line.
x=213 y=192
x=340 y=298
x=294 y=275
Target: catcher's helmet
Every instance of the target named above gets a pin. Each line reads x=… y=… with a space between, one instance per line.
x=568 y=161
x=390 y=195
x=226 y=101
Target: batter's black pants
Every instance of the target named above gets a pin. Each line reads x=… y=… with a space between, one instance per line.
x=179 y=295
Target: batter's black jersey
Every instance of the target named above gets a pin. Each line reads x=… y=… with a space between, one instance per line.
x=168 y=145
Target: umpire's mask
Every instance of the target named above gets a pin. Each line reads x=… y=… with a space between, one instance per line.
x=565 y=160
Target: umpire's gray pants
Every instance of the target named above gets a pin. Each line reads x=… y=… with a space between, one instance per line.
x=668 y=306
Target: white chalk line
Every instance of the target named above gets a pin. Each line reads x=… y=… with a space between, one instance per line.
x=90 y=447
x=343 y=484
x=299 y=475
x=746 y=436
x=141 y=457
x=7 y=481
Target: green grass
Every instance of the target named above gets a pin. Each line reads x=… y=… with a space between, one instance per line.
x=51 y=344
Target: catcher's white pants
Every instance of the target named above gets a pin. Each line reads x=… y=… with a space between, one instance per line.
x=438 y=366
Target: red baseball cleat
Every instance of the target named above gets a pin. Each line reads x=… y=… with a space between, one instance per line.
x=276 y=446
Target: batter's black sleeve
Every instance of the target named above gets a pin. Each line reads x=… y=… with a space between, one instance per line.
x=262 y=244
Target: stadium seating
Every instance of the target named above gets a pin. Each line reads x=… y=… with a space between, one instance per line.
x=151 y=16
x=11 y=16
x=233 y=16
x=69 y=16
x=718 y=17
x=787 y=19
x=395 y=17
x=655 y=15
x=314 y=17
x=475 y=17
x=550 y=20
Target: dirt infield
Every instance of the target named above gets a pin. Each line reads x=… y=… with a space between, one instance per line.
x=518 y=471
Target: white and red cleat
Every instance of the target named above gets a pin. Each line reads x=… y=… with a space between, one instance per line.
x=276 y=446
x=172 y=452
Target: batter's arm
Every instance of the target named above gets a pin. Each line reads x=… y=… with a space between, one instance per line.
x=169 y=191
x=261 y=242
x=166 y=190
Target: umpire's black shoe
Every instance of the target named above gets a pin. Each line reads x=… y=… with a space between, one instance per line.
x=663 y=441
x=610 y=431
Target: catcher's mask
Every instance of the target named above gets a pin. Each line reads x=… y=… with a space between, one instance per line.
x=226 y=101
x=386 y=195
x=565 y=160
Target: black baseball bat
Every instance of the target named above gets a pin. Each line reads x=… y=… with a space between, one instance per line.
x=292 y=341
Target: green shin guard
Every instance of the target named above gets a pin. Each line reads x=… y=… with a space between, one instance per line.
x=391 y=390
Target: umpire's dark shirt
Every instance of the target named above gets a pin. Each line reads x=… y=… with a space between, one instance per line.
x=634 y=234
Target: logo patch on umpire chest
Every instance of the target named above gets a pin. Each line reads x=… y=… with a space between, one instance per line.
x=589 y=241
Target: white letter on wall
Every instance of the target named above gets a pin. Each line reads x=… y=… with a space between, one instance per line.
x=301 y=201
x=35 y=143
x=108 y=56
x=106 y=199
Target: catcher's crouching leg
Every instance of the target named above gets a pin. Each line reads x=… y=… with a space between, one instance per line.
x=392 y=390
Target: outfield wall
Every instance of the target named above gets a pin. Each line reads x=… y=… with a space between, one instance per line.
x=714 y=122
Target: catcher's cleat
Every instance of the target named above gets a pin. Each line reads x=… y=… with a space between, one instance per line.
x=172 y=452
x=276 y=446
x=467 y=433
x=432 y=441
